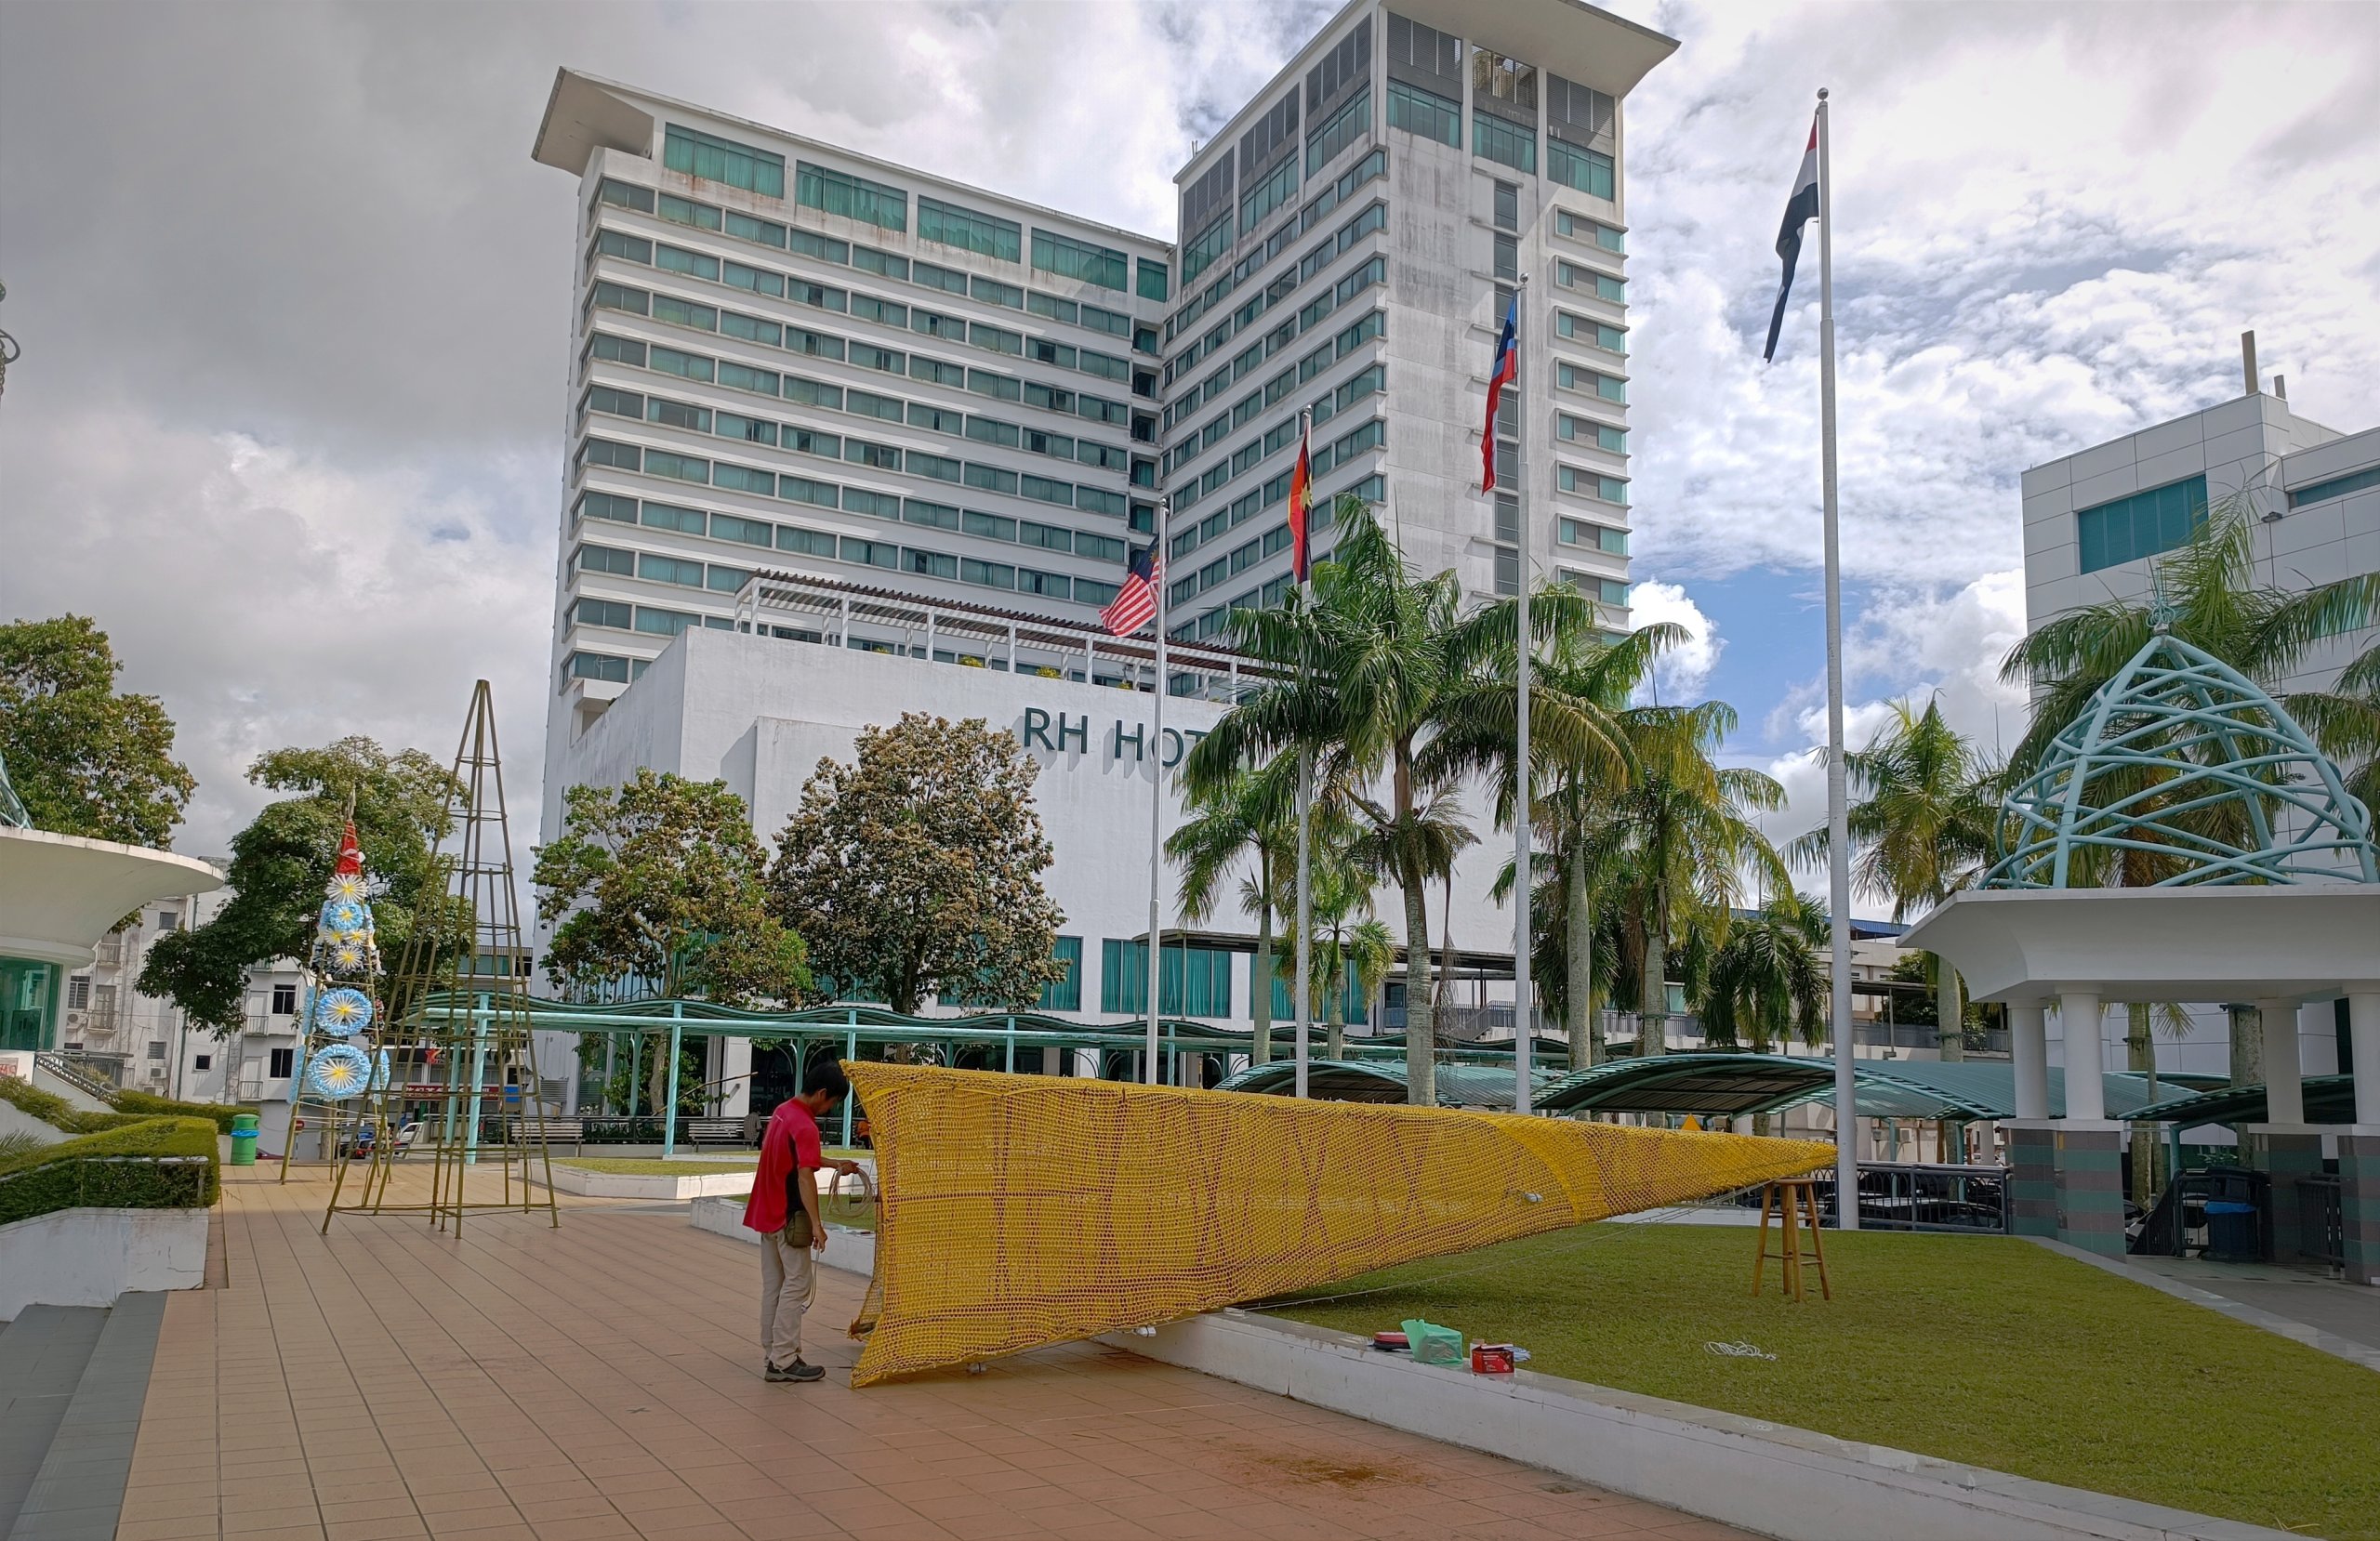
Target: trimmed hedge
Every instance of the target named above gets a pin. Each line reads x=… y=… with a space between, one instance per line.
x=155 y=1163
x=58 y=1112
x=150 y=1105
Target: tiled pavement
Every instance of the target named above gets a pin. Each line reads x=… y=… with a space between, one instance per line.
x=600 y=1381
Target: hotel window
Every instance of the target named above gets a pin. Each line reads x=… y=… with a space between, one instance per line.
x=666 y=623
x=680 y=414
x=1506 y=144
x=2141 y=525
x=681 y=211
x=874 y=261
x=688 y=521
x=852 y=197
x=625 y=196
x=1351 y=124
x=1508 y=207
x=599 y=665
x=1153 y=283
x=1064 y=993
x=1594 y=537
x=1612 y=489
x=280 y=1063
x=1208 y=244
x=1508 y=258
x=1425 y=114
x=718 y=160
x=744 y=532
x=950 y=225
x=1191 y=982
x=678 y=260
x=669 y=570
x=1278 y=187
x=1602 y=235
x=871 y=553
x=603 y=612
x=728 y=580
x=2338 y=486
x=1589 y=171
x=607 y=505
x=1080 y=260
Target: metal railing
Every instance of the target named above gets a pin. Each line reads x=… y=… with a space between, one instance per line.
x=1909 y=1196
x=2320 y=1230
x=76 y=1074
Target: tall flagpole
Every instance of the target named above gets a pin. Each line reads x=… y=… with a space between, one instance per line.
x=1838 y=818
x=1522 y=1033
x=1305 y=1012
x=1150 y=1071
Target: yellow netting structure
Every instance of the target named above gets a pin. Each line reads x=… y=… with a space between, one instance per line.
x=1019 y=1211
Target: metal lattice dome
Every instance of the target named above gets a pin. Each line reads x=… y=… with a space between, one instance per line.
x=2183 y=768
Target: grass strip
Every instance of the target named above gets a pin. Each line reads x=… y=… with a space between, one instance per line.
x=1985 y=1350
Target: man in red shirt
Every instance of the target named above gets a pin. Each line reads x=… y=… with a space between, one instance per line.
x=784 y=1210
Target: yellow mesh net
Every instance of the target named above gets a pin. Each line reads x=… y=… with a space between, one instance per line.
x=1023 y=1211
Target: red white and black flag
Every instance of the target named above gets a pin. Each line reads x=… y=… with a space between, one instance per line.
x=1800 y=209
x=1301 y=506
x=1505 y=370
x=1135 y=605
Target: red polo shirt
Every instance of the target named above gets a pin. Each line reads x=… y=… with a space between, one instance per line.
x=788 y=1149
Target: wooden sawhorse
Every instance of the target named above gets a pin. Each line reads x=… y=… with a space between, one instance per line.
x=1796 y=1199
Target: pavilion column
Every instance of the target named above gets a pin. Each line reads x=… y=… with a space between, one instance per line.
x=2287 y=1149
x=2360 y=1145
x=2086 y=1097
x=2033 y=1140
x=2028 y=1044
x=2090 y=1149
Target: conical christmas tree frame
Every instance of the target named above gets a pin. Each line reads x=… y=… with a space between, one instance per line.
x=458 y=1029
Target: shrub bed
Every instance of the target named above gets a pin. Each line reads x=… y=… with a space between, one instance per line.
x=155 y=1163
x=58 y=1112
x=150 y=1105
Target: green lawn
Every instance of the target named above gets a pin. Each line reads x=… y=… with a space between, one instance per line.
x=1980 y=1348
x=623 y=1166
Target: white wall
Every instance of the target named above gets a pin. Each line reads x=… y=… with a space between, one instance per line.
x=89 y=1257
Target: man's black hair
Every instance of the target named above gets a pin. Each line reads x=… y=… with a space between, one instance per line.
x=831 y=1079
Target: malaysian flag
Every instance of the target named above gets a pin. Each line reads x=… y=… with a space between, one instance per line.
x=1301 y=506
x=1507 y=369
x=1135 y=605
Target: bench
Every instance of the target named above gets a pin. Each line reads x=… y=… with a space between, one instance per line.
x=556 y=1131
x=717 y=1131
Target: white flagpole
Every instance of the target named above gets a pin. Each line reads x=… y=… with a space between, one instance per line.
x=1151 y=1071
x=1838 y=818
x=1521 y=1047
x=1304 y=1010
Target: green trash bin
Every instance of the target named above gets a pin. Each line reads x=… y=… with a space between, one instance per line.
x=244 y=1139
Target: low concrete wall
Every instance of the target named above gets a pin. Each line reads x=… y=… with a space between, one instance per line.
x=1764 y=1477
x=852 y=1251
x=89 y=1257
x=621 y=1185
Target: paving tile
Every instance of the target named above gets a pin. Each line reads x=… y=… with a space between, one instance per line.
x=517 y=1383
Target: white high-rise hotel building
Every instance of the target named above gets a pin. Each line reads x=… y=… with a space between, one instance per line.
x=790 y=356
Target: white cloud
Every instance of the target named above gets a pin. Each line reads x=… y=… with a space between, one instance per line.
x=1683 y=671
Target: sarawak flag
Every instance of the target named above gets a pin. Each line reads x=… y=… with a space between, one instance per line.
x=1301 y=508
x=1508 y=368
x=1800 y=209
x=1135 y=605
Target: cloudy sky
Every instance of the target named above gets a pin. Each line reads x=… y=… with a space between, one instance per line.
x=295 y=306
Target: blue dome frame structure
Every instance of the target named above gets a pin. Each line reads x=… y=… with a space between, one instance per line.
x=2217 y=751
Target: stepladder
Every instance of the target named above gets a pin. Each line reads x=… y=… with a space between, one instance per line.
x=1794 y=1202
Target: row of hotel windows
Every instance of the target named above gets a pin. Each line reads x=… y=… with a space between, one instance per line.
x=800 y=439
x=1373 y=218
x=1372 y=489
x=1366 y=382
x=1202 y=251
x=2162 y=518
x=1426 y=114
x=887 y=207
x=822 y=296
x=889 y=265
x=739 y=530
x=1374 y=323
x=1248 y=506
x=1271 y=345
x=1371 y=435
x=617 y=402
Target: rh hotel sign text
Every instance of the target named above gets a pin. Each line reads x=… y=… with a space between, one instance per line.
x=1058 y=733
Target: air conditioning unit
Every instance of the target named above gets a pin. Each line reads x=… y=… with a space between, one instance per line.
x=157 y=1073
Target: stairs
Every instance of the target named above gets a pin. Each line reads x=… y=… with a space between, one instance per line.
x=72 y=1380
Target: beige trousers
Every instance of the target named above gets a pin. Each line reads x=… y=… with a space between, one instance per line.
x=788 y=1283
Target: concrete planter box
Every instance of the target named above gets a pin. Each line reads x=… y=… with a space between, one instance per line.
x=852 y=1251
x=89 y=1257
x=1764 y=1477
x=661 y=1190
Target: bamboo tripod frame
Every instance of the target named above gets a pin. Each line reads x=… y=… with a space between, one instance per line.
x=467 y=1023
x=1796 y=1200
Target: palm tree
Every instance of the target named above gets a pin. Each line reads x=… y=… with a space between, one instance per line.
x=1370 y=668
x=2344 y=721
x=1766 y=982
x=1347 y=936
x=2207 y=594
x=1251 y=813
x=1689 y=838
x=1921 y=828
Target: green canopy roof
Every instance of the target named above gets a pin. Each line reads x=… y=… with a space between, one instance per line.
x=2328 y=1100
x=1736 y=1086
x=1350 y=1081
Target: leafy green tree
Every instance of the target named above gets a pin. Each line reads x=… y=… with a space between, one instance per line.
x=1347 y=939
x=658 y=884
x=1766 y=982
x=916 y=868
x=1370 y=671
x=85 y=759
x=1922 y=810
x=281 y=861
x=2345 y=720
